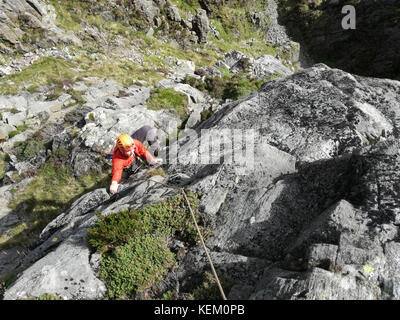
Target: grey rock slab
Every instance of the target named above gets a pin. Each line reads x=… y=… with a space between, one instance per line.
x=267 y=65
x=64 y=272
x=80 y=207
x=5 y=129
x=201 y=25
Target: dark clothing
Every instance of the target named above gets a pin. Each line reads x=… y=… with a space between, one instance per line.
x=149 y=134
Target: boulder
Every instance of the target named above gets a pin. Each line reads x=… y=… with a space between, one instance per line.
x=38 y=19
x=172 y=12
x=5 y=129
x=201 y=25
x=146 y=9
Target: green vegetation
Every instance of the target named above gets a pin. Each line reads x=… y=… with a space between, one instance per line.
x=52 y=190
x=44 y=71
x=205 y=114
x=136 y=265
x=51 y=71
x=169 y=99
x=157 y=172
x=231 y=19
x=49 y=296
x=59 y=87
x=19 y=130
x=66 y=17
x=209 y=290
x=27 y=149
x=3 y=164
x=134 y=243
x=226 y=87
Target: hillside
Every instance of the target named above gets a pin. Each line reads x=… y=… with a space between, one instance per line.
x=291 y=167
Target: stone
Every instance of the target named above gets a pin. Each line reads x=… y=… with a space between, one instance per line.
x=201 y=25
x=146 y=9
x=299 y=193
x=173 y=13
x=5 y=129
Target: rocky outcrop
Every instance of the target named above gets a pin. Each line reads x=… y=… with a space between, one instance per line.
x=371 y=49
x=302 y=199
x=262 y=67
x=30 y=24
x=201 y=25
x=321 y=229
x=147 y=9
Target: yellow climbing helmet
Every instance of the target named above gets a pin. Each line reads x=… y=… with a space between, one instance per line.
x=125 y=143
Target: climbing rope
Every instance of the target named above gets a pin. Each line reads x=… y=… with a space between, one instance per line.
x=221 y=290
x=205 y=248
x=142 y=163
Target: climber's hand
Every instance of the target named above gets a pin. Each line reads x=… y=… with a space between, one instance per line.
x=114 y=187
x=157 y=161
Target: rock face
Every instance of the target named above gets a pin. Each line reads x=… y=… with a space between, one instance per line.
x=262 y=67
x=62 y=261
x=201 y=25
x=371 y=49
x=302 y=199
x=320 y=226
x=107 y=116
x=24 y=22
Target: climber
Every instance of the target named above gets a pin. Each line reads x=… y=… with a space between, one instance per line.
x=145 y=134
x=124 y=154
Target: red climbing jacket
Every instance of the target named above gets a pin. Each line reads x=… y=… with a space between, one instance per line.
x=120 y=161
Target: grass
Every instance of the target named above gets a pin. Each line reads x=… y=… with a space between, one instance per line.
x=3 y=164
x=157 y=172
x=169 y=99
x=134 y=244
x=19 y=130
x=187 y=5
x=229 y=86
x=51 y=72
x=52 y=190
x=44 y=71
x=209 y=290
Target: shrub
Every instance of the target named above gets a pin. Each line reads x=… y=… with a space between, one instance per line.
x=29 y=148
x=136 y=265
x=168 y=217
x=168 y=99
x=208 y=289
x=134 y=243
x=49 y=296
